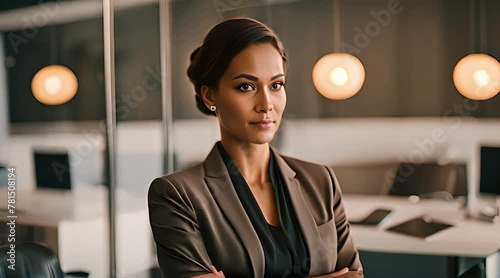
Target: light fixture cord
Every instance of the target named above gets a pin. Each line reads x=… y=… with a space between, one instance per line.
x=477 y=26
x=482 y=26
x=472 y=26
x=336 y=26
x=54 y=47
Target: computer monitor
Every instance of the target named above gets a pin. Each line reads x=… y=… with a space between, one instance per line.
x=52 y=169
x=429 y=178
x=490 y=170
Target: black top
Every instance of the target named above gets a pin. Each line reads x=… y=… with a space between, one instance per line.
x=284 y=248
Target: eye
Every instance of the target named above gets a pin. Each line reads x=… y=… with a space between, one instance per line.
x=278 y=85
x=245 y=87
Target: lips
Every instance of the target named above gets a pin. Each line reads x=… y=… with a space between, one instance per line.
x=264 y=122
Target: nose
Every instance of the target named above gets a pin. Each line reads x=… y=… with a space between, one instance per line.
x=264 y=104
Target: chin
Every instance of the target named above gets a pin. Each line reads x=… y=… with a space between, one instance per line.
x=261 y=139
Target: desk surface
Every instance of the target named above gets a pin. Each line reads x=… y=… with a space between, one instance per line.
x=81 y=219
x=468 y=237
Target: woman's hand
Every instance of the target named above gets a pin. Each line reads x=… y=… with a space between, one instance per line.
x=217 y=273
x=214 y=274
x=343 y=273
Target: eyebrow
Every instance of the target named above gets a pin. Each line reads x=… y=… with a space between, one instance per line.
x=253 y=78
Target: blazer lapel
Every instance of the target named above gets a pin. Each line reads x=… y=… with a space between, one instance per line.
x=221 y=187
x=304 y=216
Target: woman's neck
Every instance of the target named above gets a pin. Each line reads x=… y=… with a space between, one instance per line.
x=252 y=160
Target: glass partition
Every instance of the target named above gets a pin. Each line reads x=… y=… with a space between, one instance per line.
x=53 y=140
x=139 y=149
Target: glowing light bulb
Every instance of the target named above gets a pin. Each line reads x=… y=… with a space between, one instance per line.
x=481 y=78
x=54 y=85
x=477 y=76
x=339 y=76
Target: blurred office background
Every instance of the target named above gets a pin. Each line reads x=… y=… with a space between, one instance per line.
x=408 y=111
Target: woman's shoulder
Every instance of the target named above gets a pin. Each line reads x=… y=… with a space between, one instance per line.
x=304 y=166
x=191 y=173
x=311 y=174
x=180 y=181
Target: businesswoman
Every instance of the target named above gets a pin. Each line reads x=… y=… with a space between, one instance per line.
x=248 y=211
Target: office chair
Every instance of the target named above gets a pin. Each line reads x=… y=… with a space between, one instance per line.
x=477 y=271
x=33 y=260
x=461 y=185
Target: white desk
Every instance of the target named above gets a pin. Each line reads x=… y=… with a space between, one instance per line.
x=467 y=238
x=80 y=219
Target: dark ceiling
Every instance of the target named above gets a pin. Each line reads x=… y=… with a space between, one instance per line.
x=16 y=4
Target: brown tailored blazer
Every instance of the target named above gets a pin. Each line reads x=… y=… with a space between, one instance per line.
x=197 y=220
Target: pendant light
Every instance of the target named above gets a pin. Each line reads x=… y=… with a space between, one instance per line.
x=54 y=84
x=338 y=75
x=477 y=75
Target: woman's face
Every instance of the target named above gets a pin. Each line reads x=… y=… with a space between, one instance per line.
x=251 y=96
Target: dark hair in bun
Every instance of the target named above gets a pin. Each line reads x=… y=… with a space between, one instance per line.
x=220 y=46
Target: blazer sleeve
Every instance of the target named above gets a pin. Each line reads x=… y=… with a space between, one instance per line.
x=179 y=244
x=347 y=254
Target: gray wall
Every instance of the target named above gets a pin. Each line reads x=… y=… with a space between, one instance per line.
x=409 y=61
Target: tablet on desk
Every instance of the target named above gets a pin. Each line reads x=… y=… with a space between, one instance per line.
x=374 y=218
x=419 y=227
